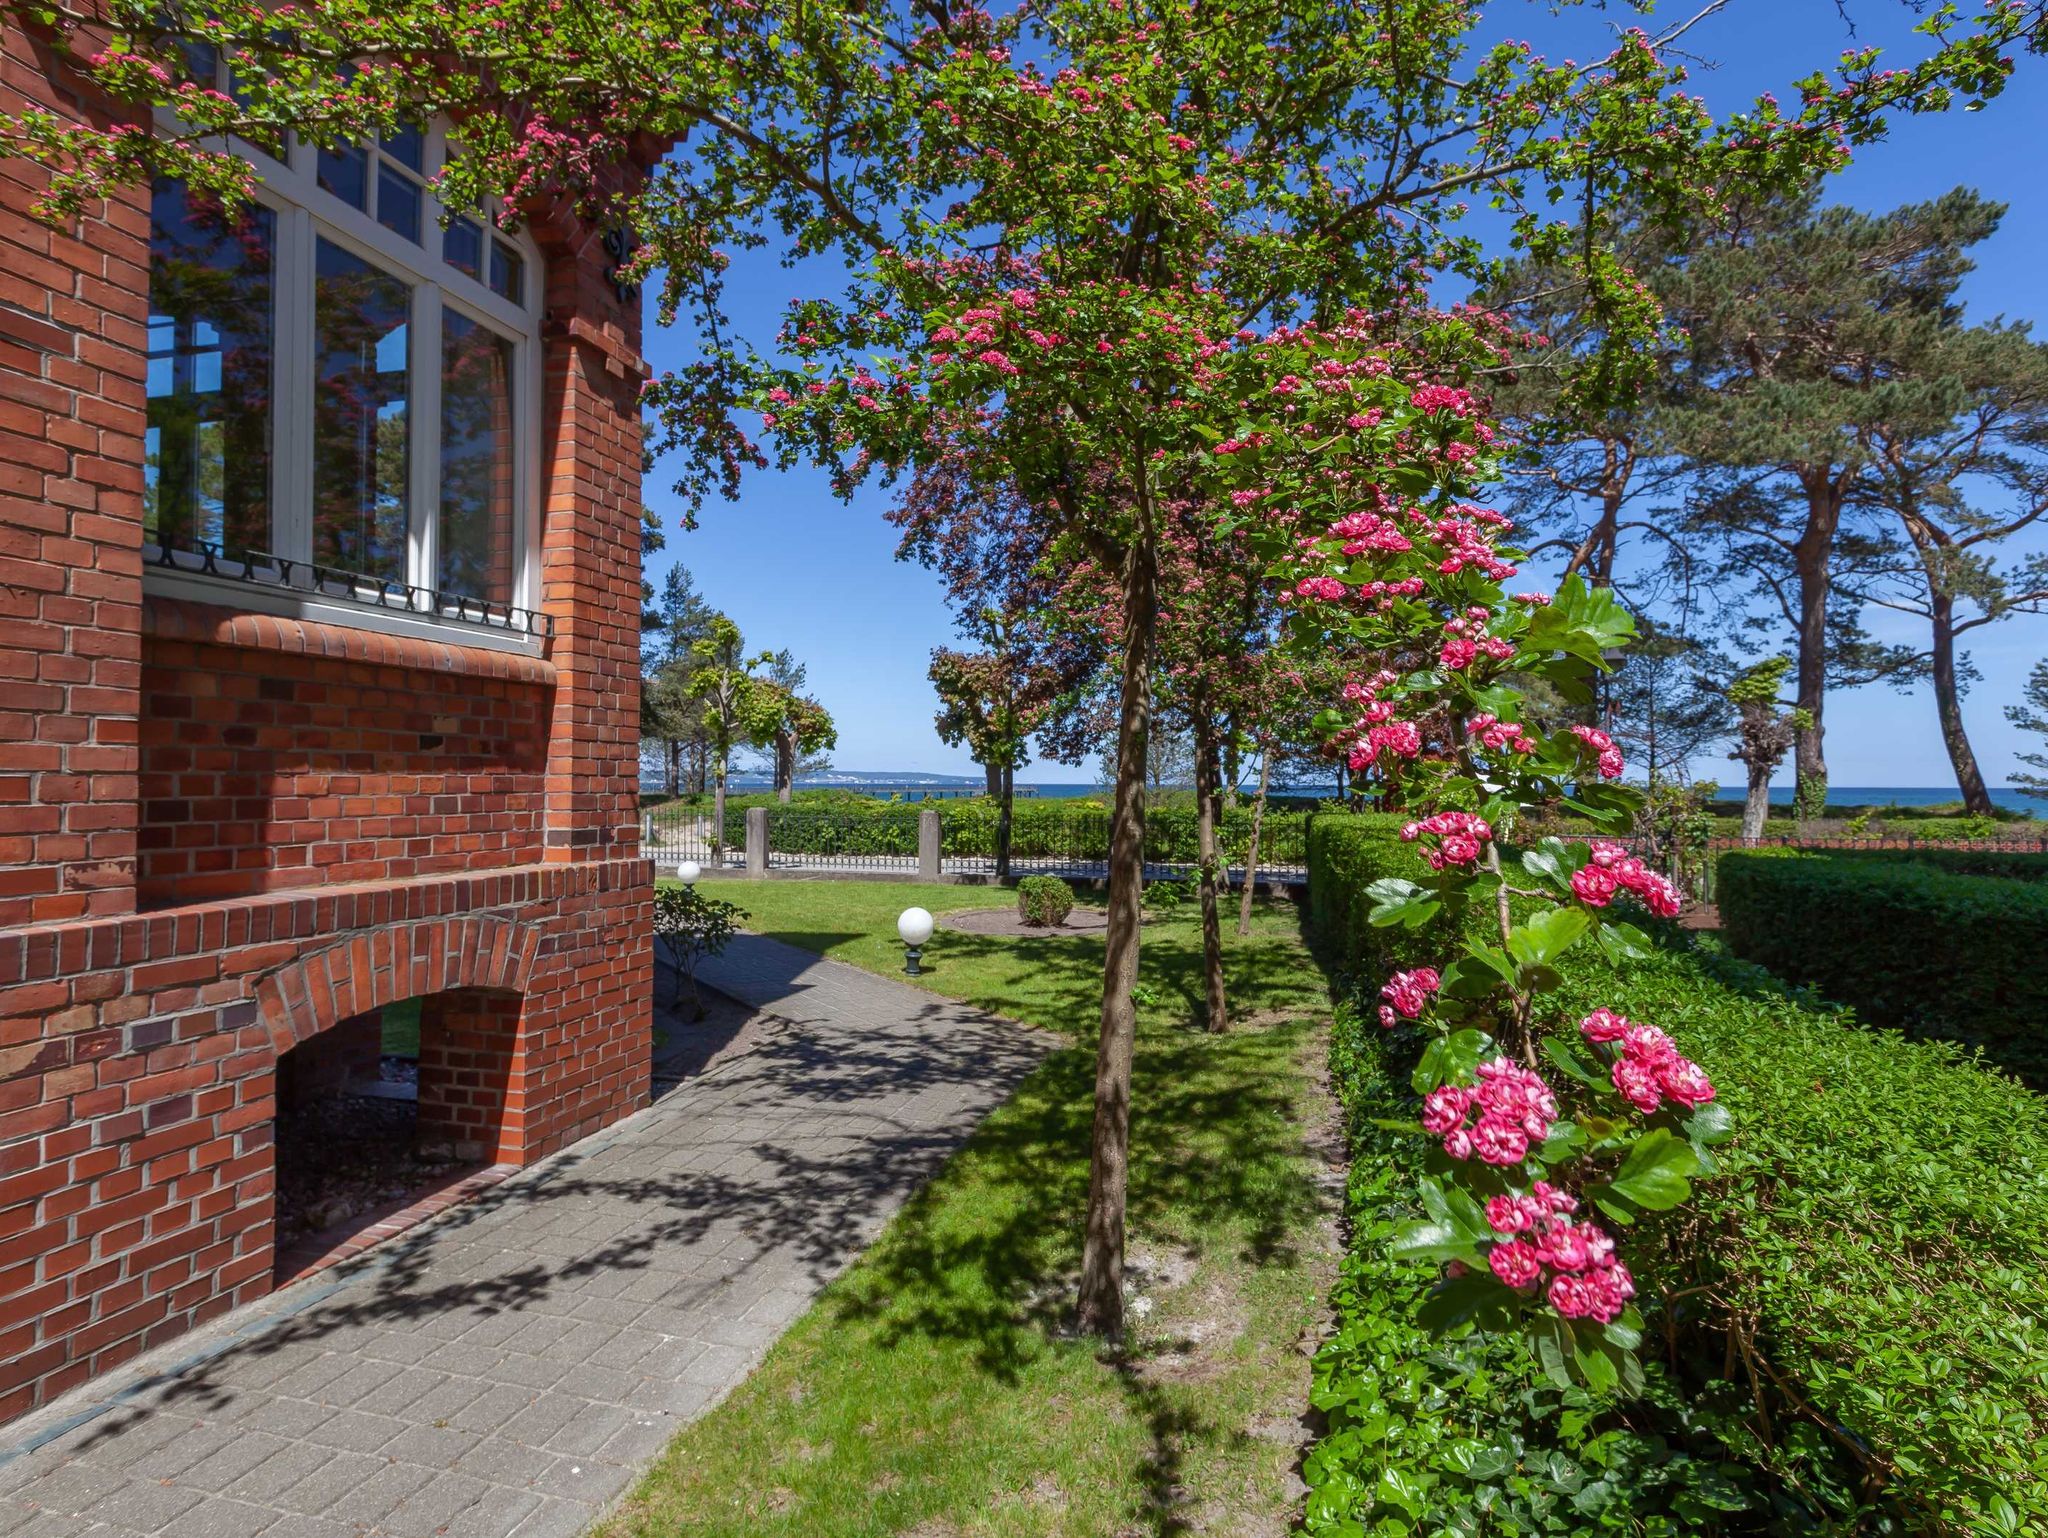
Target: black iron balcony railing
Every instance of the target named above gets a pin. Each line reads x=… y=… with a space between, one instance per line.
x=200 y=557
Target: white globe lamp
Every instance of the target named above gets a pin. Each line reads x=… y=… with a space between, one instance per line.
x=914 y=928
x=688 y=872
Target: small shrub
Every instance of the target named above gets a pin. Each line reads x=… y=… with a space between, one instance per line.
x=691 y=926
x=1165 y=897
x=1044 y=900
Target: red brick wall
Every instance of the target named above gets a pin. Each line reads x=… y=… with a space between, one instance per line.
x=72 y=306
x=263 y=770
x=331 y=818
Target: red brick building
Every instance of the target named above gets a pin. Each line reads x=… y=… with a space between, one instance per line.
x=319 y=605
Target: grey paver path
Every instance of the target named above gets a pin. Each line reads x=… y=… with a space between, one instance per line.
x=505 y=1370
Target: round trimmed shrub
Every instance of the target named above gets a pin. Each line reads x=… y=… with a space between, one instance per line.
x=1044 y=900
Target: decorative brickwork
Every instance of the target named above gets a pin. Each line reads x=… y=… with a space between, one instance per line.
x=224 y=835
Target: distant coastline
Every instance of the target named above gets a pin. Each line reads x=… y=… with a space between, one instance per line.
x=912 y=785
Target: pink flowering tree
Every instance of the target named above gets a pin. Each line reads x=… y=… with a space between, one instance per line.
x=1072 y=225
x=1553 y=1136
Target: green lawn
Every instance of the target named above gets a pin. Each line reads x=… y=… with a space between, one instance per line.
x=931 y=1392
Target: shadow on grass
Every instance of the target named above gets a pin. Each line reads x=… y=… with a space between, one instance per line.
x=989 y=1258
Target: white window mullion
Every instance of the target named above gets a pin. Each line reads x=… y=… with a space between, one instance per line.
x=425 y=398
x=292 y=429
x=529 y=472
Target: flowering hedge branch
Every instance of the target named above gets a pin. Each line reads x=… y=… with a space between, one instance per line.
x=1553 y=1138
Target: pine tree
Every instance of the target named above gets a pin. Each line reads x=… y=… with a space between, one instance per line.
x=2032 y=716
x=1961 y=482
x=1799 y=322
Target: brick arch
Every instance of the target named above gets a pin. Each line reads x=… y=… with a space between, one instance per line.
x=304 y=997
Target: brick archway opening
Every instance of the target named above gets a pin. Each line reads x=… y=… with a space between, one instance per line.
x=399 y=1082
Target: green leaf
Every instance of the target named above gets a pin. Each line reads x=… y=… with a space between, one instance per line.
x=1477 y=973
x=1623 y=942
x=1709 y=1124
x=1474 y=1298
x=1429 y=1240
x=1654 y=1174
x=1545 y=936
x=1451 y=1057
x=1570 y=1060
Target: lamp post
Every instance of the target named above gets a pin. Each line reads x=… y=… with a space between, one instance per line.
x=914 y=927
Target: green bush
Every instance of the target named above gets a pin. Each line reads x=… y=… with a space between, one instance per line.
x=1926 y=947
x=1876 y=1245
x=1045 y=900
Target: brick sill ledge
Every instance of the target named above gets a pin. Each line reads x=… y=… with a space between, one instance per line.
x=184 y=619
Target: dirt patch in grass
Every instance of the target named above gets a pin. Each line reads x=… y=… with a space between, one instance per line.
x=1005 y=921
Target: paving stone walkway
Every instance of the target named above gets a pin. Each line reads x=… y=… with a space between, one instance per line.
x=507 y=1369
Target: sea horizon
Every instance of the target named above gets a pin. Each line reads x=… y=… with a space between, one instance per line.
x=913 y=785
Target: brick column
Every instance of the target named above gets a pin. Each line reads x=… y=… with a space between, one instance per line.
x=472 y=1094
x=73 y=311
x=590 y=548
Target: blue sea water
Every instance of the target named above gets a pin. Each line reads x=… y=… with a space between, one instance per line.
x=2004 y=796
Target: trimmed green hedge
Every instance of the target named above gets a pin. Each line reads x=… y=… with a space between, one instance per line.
x=1878 y=1238
x=1937 y=951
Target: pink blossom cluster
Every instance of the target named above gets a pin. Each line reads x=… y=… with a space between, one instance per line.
x=1650 y=1068
x=1501 y=736
x=1407 y=995
x=1460 y=838
x=1464 y=545
x=1466 y=639
x=1574 y=1263
x=1613 y=869
x=1602 y=744
x=1401 y=739
x=1515 y=1109
x=1363 y=531
x=1328 y=588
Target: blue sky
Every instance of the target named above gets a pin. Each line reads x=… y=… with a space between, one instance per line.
x=796 y=567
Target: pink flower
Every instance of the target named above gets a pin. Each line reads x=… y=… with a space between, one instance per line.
x=1687 y=1083
x=1593 y=886
x=1562 y=1247
x=1515 y=1263
x=1515 y=1214
x=1554 y=1199
x=1500 y=1142
x=1408 y=992
x=1603 y=1025
x=1457 y=652
x=1639 y=1084
x=1444 y=1109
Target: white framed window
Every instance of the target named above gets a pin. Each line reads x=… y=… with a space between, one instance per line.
x=343 y=398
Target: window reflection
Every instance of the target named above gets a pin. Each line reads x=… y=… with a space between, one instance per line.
x=476 y=462
x=362 y=430
x=206 y=453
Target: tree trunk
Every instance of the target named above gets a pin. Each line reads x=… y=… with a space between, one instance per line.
x=1948 y=704
x=1251 y=853
x=1756 y=807
x=675 y=766
x=718 y=808
x=1217 y=1005
x=1102 y=1252
x=1006 y=791
x=994 y=771
x=1811 y=560
x=785 y=766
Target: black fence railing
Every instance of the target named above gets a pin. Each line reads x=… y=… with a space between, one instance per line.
x=260 y=568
